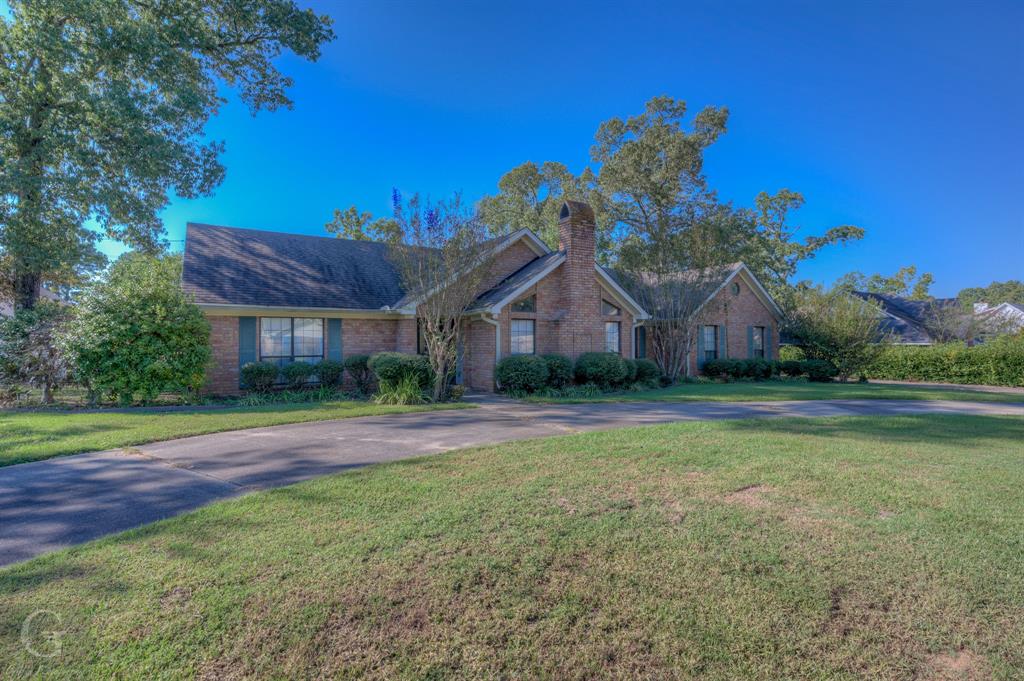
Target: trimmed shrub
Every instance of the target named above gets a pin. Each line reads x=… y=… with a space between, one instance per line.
x=717 y=368
x=647 y=371
x=791 y=368
x=559 y=370
x=757 y=369
x=297 y=374
x=393 y=367
x=630 y=372
x=456 y=392
x=605 y=369
x=791 y=353
x=260 y=376
x=358 y=370
x=997 y=362
x=522 y=373
x=330 y=373
x=819 y=370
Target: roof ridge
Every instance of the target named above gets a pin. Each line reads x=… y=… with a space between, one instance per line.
x=206 y=225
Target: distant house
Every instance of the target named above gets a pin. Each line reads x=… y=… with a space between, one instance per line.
x=278 y=297
x=907 y=320
x=1003 y=318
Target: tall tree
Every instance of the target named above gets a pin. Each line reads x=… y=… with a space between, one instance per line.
x=102 y=110
x=997 y=292
x=904 y=283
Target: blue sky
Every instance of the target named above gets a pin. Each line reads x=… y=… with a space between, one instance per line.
x=904 y=118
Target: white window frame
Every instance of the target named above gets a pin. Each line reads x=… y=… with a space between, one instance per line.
x=618 y=337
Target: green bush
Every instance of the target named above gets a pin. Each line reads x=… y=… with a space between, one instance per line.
x=456 y=392
x=33 y=350
x=260 y=376
x=406 y=390
x=718 y=368
x=358 y=368
x=330 y=373
x=522 y=373
x=630 y=372
x=819 y=370
x=791 y=368
x=297 y=374
x=757 y=369
x=394 y=367
x=137 y=334
x=647 y=371
x=791 y=353
x=605 y=369
x=559 y=370
x=997 y=362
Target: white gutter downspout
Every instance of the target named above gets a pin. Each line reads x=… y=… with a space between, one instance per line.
x=497 y=344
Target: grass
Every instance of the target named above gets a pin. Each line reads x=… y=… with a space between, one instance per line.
x=866 y=547
x=35 y=435
x=790 y=390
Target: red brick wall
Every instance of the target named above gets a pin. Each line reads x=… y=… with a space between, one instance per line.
x=736 y=313
x=478 y=355
x=222 y=374
x=367 y=336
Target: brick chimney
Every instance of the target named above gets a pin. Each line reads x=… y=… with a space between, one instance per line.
x=581 y=294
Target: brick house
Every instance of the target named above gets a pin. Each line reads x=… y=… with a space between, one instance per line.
x=285 y=297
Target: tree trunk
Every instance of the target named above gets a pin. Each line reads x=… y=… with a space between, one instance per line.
x=47 y=393
x=26 y=290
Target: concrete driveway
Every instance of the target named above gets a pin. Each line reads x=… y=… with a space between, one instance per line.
x=64 y=501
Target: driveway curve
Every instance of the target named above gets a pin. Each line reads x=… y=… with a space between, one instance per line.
x=60 y=502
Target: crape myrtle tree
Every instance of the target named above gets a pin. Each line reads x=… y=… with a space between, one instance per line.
x=443 y=255
x=102 y=110
x=33 y=351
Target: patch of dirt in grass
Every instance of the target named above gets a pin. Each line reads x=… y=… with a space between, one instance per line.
x=962 y=665
x=176 y=597
x=886 y=515
x=751 y=496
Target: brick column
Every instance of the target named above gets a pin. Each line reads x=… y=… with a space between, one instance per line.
x=580 y=292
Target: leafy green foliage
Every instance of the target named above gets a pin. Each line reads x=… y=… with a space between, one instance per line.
x=905 y=283
x=997 y=362
x=358 y=370
x=604 y=369
x=330 y=373
x=790 y=367
x=836 y=327
x=995 y=293
x=522 y=373
x=103 y=109
x=297 y=374
x=646 y=370
x=406 y=390
x=260 y=377
x=820 y=370
x=559 y=370
x=136 y=334
x=394 y=367
x=793 y=352
x=33 y=350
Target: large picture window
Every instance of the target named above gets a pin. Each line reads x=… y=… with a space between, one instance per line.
x=710 y=342
x=522 y=337
x=291 y=339
x=612 y=340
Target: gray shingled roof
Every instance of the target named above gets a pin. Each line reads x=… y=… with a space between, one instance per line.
x=231 y=266
x=908 y=317
x=515 y=280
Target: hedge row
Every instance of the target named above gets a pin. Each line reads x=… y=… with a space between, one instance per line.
x=529 y=373
x=763 y=369
x=387 y=367
x=998 y=362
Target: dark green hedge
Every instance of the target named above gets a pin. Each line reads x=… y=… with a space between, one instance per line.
x=522 y=373
x=998 y=362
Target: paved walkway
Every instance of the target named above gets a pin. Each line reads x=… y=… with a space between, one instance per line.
x=64 y=501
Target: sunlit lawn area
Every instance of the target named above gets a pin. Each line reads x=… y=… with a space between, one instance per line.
x=34 y=435
x=793 y=390
x=870 y=547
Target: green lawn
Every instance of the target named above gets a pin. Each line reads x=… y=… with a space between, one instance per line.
x=869 y=547
x=792 y=390
x=34 y=435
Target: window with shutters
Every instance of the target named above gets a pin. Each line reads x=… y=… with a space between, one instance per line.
x=291 y=339
x=710 y=342
x=757 y=342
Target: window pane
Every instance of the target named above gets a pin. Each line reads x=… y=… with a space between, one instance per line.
x=275 y=337
x=611 y=337
x=710 y=342
x=521 y=337
x=525 y=305
x=609 y=309
x=309 y=338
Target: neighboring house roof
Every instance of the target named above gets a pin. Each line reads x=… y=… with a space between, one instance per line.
x=905 y=319
x=1002 y=317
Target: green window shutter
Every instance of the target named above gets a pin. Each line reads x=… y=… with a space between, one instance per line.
x=700 y=347
x=246 y=343
x=334 y=339
x=750 y=342
x=723 y=343
x=768 y=342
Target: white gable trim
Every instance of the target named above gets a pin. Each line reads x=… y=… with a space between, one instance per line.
x=638 y=311
x=758 y=290
x=519 y=290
